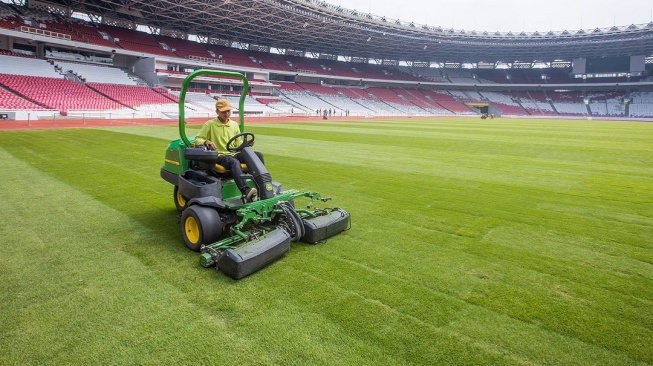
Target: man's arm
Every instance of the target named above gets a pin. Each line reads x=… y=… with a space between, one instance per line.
x=233 y=130
x=202 y=137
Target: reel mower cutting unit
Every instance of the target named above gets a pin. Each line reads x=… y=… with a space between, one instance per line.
x=235 y=237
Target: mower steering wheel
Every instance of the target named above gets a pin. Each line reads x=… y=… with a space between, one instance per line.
x=246 y=142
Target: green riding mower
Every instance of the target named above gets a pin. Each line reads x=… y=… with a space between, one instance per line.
x=232 y=235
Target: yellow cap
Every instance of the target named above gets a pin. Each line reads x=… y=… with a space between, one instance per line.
x=222 y=105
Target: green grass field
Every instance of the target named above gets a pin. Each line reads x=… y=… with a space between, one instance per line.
x=474 y=242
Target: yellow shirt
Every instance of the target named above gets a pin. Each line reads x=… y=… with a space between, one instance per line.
x=219 y=133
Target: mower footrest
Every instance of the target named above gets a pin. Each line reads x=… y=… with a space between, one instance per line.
x=254 y=255
x=319 y=228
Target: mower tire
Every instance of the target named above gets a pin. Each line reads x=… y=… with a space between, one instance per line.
x=200 y=225
x=180 y=201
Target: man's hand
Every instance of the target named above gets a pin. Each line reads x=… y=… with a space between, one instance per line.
x=250 y=142
x=209 y=145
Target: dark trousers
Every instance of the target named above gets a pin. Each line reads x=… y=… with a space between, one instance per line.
x=232 y=163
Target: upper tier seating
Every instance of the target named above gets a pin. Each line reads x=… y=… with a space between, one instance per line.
x=338 y=68
x=271 y=61
x=431 y=74
x=460 y=76
x=303 y=64
x=8 y=17
x=27 y=66
x=184 y=48
x=97 y=74
x=135 y=40
x=231 y=56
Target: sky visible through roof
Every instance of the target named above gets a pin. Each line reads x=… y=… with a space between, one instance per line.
x=509 y=15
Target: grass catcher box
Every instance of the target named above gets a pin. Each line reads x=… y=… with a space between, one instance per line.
x=319 y=228
x=247 y=259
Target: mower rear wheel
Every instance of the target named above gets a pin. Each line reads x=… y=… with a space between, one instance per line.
x=180 y=201
x=200 y=225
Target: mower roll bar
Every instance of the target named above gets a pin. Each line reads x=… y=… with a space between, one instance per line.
x=184 y=89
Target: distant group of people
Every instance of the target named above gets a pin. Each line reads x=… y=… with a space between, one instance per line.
x=328 y=112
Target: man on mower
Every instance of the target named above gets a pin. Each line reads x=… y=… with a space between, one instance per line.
x=215 y=134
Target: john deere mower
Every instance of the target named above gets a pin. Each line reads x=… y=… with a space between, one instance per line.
x=234 y=236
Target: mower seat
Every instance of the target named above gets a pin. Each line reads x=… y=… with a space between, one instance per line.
x=206 y=159
x=222 y=170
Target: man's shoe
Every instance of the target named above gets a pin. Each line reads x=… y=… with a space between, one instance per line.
x=249 y=197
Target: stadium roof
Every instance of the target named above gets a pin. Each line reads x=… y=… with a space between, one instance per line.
x=320 y=28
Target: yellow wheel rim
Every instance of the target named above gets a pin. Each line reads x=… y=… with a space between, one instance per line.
x=192 y=230
x=181 y=200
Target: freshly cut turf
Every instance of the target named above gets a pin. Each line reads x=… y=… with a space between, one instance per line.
x=472 y=242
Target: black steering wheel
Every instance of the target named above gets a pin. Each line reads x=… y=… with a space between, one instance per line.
x=247 y=141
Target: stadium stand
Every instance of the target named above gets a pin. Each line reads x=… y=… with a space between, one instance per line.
x=135 y=40
x=184 y=48
x=448 y=102
x=317 y=89
x=568 y=103
x=423 y=101
x=28 y=66
x=504 y=103
x=132 y=95
x=338 y=68
x=460 y=77
x=307 y=101
x=230 y=56
x=57 y=93
x=641 y=104
x=396 y=100
x=251 y=105
x=12 y=101
x=95 y=73
x=310 y=83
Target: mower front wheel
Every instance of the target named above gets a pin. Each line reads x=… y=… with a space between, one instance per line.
x=200 y=225
x=180 y=201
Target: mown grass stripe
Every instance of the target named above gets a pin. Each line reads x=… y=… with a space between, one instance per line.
x=440 y=317
x=471 y=243
x=72 y=295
